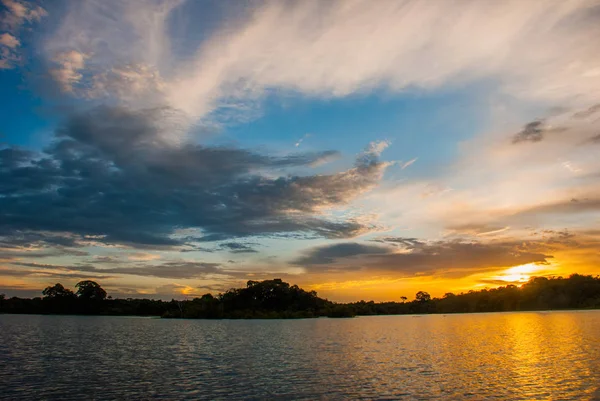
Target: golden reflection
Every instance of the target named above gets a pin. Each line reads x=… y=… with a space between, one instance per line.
x=536 y=340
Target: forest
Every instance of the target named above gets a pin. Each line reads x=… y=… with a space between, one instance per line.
x=276 y=299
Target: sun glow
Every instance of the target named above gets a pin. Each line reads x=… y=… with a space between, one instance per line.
x=521 y=273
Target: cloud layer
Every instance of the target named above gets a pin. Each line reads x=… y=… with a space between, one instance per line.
x=533 y=49
x=411 y=257
x=113 y=175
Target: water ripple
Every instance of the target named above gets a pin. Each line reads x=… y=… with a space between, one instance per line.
x=517 y=356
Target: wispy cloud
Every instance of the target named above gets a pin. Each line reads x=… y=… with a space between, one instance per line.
x=297 y=144
x=588 y=112
x=409 y=163
x=527 y=46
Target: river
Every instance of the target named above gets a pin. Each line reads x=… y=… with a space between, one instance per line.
x=517 y=356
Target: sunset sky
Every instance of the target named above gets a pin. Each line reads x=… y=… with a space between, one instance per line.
x=363 y=149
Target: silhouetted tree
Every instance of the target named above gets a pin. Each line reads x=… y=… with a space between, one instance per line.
x=57 y=291
x=341 y=310
x=423 y=296
x=91 y=290
x=58 y=299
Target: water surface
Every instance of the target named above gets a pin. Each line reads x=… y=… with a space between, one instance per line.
x=532 y=355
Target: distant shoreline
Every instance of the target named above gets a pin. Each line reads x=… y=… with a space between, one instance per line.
x=276 y=299
x=306 y=318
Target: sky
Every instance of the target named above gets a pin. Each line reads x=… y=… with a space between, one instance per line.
x=167 y=149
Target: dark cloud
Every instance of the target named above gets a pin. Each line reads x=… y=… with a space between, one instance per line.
x=106 y=260
x=587 y=113
x=17 y=244
x=555 y=239
x=237 y=247
x=330 y=253
x=50 y=275
x=38 y=244
x=408 y=243
x=173 y=270
x=427 y=258
x=535 y=131
x=119 y=176
x=594 y=139
x=532 y=132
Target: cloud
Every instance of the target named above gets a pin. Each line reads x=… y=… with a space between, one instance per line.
x=173 y=269
x=408 y=243
x=543 y=217
x=588 y=112
x=68 y=69
x=8 y=40
x=237 y=247
x=174 y=289
x=18 y=244
x=297 y=144
x=329 y=253
x=478 y=229
x=420 y=257
x=595 y=139
x=117 y=176
x=8 y=58
x=16 y=13
x=409 y=163
x=115 y=50
x=535 y=131
x=377 y=147
x=572 y=206
x=19 y=12
x=140 y=256
x=499 y=282
x=20 y=239
x=562 y=167
x=331 y=49
x=126 y=82
x=49 y=275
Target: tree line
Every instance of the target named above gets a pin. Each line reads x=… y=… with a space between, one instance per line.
x=278 y=299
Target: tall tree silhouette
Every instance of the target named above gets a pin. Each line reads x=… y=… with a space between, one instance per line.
x=88 y=289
